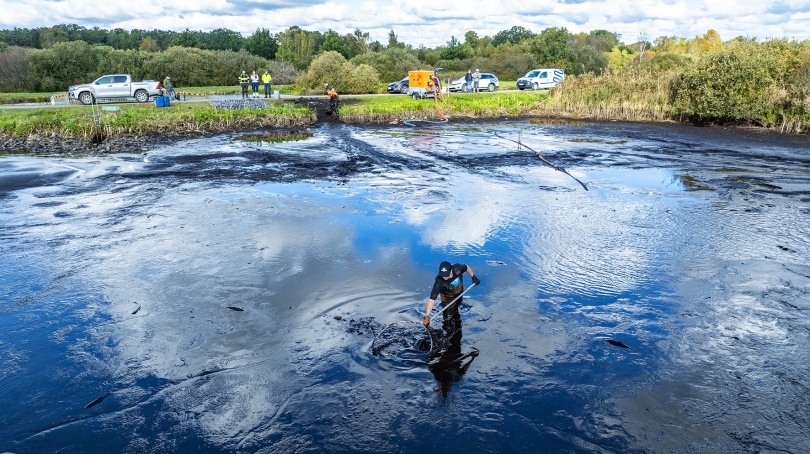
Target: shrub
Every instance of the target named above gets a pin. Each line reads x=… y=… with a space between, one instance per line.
x=362 y=79
x=14 y=69
x=62 y=65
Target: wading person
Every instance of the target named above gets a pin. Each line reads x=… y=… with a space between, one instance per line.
x=449 y=283
x=449 y=363
x=333 y=99
x=266 y=80
x=244 y=79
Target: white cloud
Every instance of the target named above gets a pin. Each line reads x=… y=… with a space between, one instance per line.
x=428 y=26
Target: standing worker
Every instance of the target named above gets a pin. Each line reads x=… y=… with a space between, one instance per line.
x=476 y=79
x=244 y=79
x=254 y=82
x=168 y=85
x=468 y=79
x=266 y=80
x=449 y=283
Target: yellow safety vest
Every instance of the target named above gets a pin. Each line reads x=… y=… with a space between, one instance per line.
x=266 y=78
x=244 y=78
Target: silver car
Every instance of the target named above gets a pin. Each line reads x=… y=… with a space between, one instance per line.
x=487 y=82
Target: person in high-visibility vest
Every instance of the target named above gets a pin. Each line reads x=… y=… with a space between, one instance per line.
x=266 y=80
x=244 y=80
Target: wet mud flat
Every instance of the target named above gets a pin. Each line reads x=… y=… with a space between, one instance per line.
x=222 y=295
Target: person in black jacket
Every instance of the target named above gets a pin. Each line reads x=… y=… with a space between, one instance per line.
x=449 y=283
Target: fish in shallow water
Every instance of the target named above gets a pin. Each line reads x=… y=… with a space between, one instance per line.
x=234 y=308
x=97 y=401
x=617 y=343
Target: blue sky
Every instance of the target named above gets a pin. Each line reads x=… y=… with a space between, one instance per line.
x=428 y=23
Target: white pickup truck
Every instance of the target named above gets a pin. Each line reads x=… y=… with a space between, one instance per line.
x=113 y=86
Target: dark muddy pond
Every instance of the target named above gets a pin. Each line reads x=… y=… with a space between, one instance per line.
x=221 y=295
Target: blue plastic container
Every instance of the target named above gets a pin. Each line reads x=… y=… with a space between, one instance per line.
x=162 y=101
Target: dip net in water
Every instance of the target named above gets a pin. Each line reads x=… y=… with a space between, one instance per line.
x=406 y=336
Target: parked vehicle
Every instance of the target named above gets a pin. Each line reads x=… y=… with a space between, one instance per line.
x=114 y=86
x=537 y=79
x=400 y=86
x=488 y=81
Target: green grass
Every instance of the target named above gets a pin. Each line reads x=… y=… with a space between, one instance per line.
x=483 y=105
x=78 y=121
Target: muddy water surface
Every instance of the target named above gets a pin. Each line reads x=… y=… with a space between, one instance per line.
x=225 y=293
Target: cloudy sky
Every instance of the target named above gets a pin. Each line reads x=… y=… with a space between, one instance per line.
x=428 y=23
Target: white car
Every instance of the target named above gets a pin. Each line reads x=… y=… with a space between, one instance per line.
x=487 y=82
x=537 y=79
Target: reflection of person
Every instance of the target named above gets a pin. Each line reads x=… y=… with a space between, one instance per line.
x=169 y=86
x=450 y=365
x=244 y=79
x=266 y=80
x=254 y=82
x=469 y=80
x=476 y=78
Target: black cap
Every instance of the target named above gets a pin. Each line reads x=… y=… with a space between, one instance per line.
x=445 y=269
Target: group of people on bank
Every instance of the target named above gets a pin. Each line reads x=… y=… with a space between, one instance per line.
x=472 y=79
x=252 y=80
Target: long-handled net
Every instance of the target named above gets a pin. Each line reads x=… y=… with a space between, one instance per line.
x=411 y=335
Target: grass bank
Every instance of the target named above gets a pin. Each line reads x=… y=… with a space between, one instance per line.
x=142 y=119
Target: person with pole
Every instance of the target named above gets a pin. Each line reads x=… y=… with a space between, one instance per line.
x=449 y=283
x=333 y=99
x=244 y=79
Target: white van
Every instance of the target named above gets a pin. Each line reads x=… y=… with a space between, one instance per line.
x=537 y=79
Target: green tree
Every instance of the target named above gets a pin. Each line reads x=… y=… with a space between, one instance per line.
x=392 y=39
x=332 y=41
x=296 y=46
x=263 y=44
x=454 y=50
x=509 y=62
x=514 y=35
x=551 y=48
x=149 y=45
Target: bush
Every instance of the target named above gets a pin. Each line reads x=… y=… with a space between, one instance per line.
x=391 y=64
x=734 y=84
x=62 y=65
x=362 y=79
x=14 y=69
